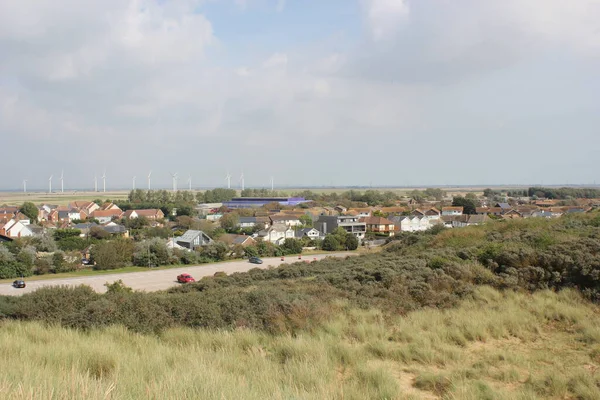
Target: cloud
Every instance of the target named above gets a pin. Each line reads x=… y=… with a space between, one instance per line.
x=148 y=84
x=276 y=60
x=280 y=5
x=385 y=16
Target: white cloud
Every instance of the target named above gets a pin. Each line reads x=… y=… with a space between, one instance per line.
x=280 y=5
x=146 y=83
x=276 y=60
x=385 y=16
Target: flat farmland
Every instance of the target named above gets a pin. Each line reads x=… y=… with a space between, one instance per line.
x=37 y=197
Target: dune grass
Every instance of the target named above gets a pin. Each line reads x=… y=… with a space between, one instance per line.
x=494 y=345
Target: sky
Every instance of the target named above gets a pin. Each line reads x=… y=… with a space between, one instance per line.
x=309 y=92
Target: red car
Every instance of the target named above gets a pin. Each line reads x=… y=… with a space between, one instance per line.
x=185 y=278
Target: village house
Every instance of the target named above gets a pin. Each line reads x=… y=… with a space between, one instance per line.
x=363 y=212
x=432 y=213
x=235 y=240
x=192 y=239
x=414 y=223
x=450 y=211
x=379 y=225
x=150 y=214
x=310 y=233
x=104 y=216
x=16 y=229
x=109 y=206
x=276 y=234
x=351 y=224
x=288 y=220
x=86 y=207
x=395 y=210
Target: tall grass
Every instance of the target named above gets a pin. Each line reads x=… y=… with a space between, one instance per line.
x=494 y=345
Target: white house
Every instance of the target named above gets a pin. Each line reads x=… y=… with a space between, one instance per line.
x=277 y=234
x=289 y=220
x=446 y=211
x=412 y=223
x=311 y=233
x=16 y=229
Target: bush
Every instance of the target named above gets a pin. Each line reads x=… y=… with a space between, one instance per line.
x=113 y=254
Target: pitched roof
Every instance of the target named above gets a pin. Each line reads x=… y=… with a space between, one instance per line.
x=280 y=217
x=453 y=209
x=395 y=209
x=376 y=221
x=107 y=213
x=235 y=239
x=190 y=235
x=149 y=212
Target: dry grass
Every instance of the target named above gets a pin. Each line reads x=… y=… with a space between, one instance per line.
x=495 y=345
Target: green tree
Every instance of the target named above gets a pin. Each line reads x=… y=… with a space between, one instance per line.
x=469 y=205
x=351 y=242
x=292 y=246
x=230 y=221
x=30 y=210
x=306 y=221
x=112 y=254
x=60 y=234
x=330 y=243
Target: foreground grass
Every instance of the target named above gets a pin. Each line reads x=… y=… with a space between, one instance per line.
x=495 y=345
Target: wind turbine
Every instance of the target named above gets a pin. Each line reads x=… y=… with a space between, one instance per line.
x=190 y=182
x=272 y=185
x=24 y=185
x=133 y=186
x=95 y=183
x=50 y=184
x=228 y=179
x=62 y=182
x=149 y=175
x=174 y=181
x=104 y=181
x=242 y=180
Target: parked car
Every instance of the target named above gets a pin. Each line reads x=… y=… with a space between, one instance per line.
x=19 y=284
x=255 y=260
x=185 y=278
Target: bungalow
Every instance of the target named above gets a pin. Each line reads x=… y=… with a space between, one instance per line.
x=288 y=220
x=461 y=221
x=111 y=227
x=379 y=225
x=452 y=211
x=311 y=233
x=150 y=214
x=392 y=210
x=192 y=239
x=246 y=222
x=234 y=240
x=104 y=216
x=497 y=211
x=277 y=234
x=363 y=212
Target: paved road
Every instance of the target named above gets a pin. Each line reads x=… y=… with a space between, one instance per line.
x=159 y=279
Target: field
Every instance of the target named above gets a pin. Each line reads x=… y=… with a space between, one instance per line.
x=492 y=346
x=17 y=198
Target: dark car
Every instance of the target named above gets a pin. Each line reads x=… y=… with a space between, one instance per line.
x=19 y=284
x=185 y=278
x=255 y=260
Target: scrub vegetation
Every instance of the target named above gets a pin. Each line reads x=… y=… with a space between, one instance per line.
x=505 y=310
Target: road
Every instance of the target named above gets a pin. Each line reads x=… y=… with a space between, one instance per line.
x=158 y=279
